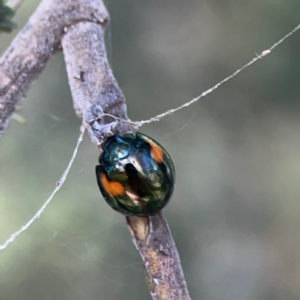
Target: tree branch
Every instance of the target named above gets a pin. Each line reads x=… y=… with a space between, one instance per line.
x=78 y=27
x=153 y=240
x=94 y=89
x=26 y=57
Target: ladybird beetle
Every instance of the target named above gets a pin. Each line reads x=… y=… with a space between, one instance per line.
x=135 y=174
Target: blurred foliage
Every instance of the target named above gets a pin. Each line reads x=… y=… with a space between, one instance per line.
x=235 y=214
x=6 y=14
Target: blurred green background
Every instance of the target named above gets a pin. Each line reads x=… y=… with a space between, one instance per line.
x=235 y=214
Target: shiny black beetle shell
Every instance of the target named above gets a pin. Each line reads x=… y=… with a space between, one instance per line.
x=135 y=174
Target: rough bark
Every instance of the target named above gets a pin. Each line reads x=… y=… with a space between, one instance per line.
x=154 y=241
x=26 y=57
x=95 y=91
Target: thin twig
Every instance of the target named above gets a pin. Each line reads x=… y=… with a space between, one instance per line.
x=157 y=118
x=137 y=124
x=58 y=186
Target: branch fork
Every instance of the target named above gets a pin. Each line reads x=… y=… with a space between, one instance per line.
x=77 y=28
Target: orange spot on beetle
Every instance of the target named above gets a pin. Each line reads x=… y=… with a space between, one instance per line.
x=156 y=152
x=112 y=188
